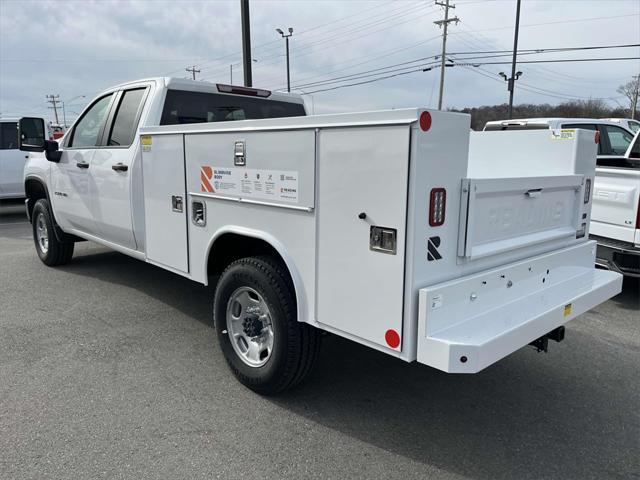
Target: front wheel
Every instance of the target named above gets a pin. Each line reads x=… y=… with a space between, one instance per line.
x=254 y=311
x=51 y=251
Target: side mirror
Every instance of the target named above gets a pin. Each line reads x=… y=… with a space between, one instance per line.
x=31 y=138
x=31 y=134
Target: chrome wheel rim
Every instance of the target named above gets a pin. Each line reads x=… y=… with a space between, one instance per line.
x=249 y=326
x=42 y=234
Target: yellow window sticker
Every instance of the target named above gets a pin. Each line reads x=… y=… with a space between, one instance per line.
x=567 y=309
x=145 y=140
x=563 y=134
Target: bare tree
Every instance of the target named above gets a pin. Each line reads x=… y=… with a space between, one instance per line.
x=630 y=91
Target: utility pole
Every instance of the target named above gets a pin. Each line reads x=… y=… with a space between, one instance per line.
x=53 y=100
x=286 y=39
x=193 y=71
x=514 y=76
x=635 y=97
x=444 y=24
x=246 y=42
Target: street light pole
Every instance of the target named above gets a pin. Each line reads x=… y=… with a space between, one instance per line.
x=286 y=38
x=512 y=80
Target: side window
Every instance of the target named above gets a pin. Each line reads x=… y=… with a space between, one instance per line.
x=8 y=136
x=619 y=139
x=126 y=119
x=87 y=131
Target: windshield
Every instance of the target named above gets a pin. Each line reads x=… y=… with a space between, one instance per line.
x=181 y=107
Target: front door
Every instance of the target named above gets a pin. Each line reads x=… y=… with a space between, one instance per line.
x=71 y=193
x=111 y=170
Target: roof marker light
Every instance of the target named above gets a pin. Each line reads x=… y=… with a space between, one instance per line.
x=252 y=92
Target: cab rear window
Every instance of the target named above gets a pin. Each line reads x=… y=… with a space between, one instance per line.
x=182 y=107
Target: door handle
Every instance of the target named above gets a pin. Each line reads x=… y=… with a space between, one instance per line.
x=120 y=167
x=82 y=165
x=533 y=193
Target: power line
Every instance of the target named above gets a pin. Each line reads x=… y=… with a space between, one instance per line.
x=475 y=64
x=380 y=70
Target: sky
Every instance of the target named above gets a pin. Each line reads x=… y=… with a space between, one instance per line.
x=77 y=48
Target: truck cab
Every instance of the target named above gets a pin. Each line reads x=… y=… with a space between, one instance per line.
x=94 y=185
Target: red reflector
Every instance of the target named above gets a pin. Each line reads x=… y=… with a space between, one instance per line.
x=425 y=121
x=392 y=338
x=437 y=205
x=597 y=137
x=252 y=92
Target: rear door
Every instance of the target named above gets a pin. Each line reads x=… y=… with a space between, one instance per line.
x=111 y=169
x=12 y=161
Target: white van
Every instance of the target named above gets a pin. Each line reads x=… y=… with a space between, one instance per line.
x=12 y=161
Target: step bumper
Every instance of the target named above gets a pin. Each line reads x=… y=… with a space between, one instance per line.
x=465 y=325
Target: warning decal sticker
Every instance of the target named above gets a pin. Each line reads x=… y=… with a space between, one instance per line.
x=250 y=183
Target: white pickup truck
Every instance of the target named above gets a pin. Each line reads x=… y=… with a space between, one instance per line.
x=615 y=222
x=394 y=229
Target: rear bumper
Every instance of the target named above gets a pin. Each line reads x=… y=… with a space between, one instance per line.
x=621 y=257
x=468 y=324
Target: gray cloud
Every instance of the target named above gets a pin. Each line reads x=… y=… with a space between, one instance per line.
x=79 y=47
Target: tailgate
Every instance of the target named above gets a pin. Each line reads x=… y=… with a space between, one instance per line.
x=503 y=214
x=615 y=203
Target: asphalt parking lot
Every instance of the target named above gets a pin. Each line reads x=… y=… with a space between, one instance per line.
x=109 y=369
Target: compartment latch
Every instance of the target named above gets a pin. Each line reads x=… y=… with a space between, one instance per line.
x=383 y=239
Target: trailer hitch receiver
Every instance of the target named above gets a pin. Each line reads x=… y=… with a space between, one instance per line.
x=542 y=344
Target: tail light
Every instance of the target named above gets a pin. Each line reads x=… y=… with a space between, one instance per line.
x=587 y=190
x=437 y=205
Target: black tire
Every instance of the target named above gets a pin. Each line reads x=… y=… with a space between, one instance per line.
x=56 y=252
x=295 y=345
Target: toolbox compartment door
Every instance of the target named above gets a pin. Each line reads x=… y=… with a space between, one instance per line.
x=165 y=202
x=498 y=215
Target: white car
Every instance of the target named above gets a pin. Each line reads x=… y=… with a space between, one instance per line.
x=628 y=123
x=12 y=161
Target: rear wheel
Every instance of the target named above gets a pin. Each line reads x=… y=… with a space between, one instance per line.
x=265 y=346
x=51 y=251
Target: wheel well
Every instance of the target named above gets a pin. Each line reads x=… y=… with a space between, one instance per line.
x=34 y=191
x=229 y=247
